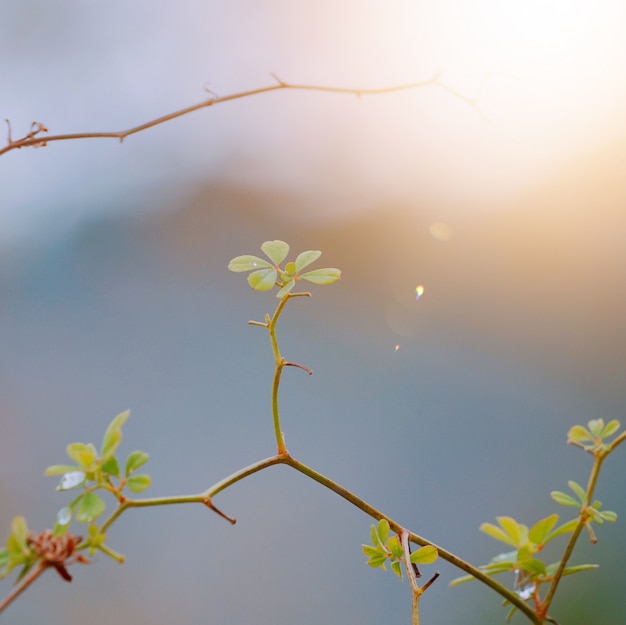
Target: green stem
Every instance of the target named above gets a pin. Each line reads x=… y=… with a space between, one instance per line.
x=145 y=503
x=279 y=364
x=509 y=595
x=582 y=519
x=205 y=498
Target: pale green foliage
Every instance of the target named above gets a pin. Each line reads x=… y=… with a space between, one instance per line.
x=265 y=275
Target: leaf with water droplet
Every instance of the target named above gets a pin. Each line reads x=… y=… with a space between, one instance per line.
x=247 y=263
x=70 y=480
x=64 y=518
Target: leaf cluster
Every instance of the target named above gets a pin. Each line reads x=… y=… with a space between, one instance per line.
x=388 y=549
x=530 y=570
x=17 y=551
x=593 y=438
x=267 y=275
x=93 y=470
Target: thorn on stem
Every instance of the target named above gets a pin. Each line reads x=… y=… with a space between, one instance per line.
x=427 y=585
x=278 y=80
x=208 y=503
x=295 y=364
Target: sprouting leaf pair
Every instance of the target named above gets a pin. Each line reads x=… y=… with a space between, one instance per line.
x=266 y=275
x=385 y=548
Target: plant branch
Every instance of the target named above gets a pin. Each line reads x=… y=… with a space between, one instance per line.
x=23 y=584
x=34 y=138
x=582 y=520
x=509 y=595
x=415 y=589
x=280 y=363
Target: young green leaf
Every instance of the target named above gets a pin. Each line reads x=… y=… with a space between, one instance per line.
x=566 y=528
x=595 y=427
x=59 y=469
x=570 y=570
x=563 y=499
x=579 y=490
x=90 y=507
x=305 y=259
x=425 y=555
x=111 y=467
x=378 y=561
x=322 y=276
x=138 y=483
x=19 y=531
x=135 y=460
x=395 y=547
x=285 y=289
x=516 y=531
x=395 y=567
x=248 y=263
x=113 y=435
x=79 y=452
x=610 y=428
x=263 y=279
x=495 y=532
x=276 y=251
x=579 y=434
x=542 y=528
x=383 y=530
x=370 y=551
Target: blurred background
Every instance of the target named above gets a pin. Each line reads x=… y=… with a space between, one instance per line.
x=444 y=411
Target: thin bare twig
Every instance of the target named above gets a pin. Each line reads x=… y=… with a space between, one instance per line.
x=34 y=139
